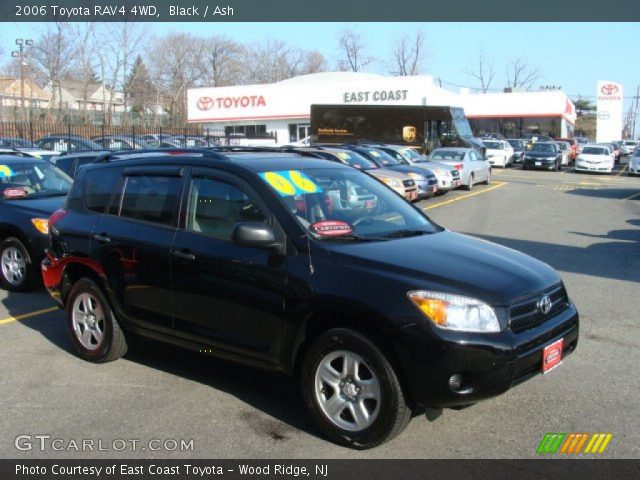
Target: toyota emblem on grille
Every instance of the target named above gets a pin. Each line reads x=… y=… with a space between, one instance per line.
x=544 y=304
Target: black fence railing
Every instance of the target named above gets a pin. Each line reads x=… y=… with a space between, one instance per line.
x=14 y=133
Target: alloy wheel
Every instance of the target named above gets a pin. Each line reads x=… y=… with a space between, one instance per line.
x=88 y=321
x=14 y=266
x=347 y=390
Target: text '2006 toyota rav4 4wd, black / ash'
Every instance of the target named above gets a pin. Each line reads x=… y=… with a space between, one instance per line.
x=304 y=266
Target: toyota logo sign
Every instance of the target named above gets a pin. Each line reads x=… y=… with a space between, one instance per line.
x=204 y=103
x=609 y=89
x=545 y=304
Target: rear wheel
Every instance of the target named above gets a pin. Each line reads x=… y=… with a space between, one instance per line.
x=17 y=274
x=488 y=180
x=352 y=391
x=93 y=328
x=469 y=185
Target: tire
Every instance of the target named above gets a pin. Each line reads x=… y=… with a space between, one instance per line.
x=559 y=167
x=387 y=409
x=469 y=186
x=86 y=296
x=17 y=272
x=488 y=180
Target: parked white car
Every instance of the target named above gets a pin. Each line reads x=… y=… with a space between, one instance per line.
x=631 y=145
x=595 y=158
x=634 y=162
x=565 y=149
x=499 y=152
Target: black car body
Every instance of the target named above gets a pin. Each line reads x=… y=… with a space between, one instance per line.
x=24 y=214
x=121 y=142
x=302 y=285
x=70 y=162
x=543 y=155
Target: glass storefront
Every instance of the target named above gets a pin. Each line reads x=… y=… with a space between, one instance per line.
x=517 y=127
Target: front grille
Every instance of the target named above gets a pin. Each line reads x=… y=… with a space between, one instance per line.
x=408 y=183
x=432 y=181
x=525 y=314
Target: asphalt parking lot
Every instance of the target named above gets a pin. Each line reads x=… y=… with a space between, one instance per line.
x=586 y=226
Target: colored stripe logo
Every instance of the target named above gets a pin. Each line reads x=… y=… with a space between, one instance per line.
x=574 y=443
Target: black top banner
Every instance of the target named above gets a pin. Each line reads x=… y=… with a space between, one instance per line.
x=318 y=11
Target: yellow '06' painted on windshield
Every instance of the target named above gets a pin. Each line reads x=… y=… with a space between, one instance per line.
x=290 y=182
x=5 y=171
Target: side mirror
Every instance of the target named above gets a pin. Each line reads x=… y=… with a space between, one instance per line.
x=256 y=235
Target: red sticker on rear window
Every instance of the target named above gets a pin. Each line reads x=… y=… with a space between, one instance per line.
x=14 y=193
x=331 y=228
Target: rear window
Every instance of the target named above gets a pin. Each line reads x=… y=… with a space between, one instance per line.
x=98 y=187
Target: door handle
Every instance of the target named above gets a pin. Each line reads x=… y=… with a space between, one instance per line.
x=101 y=238
x=183 y=255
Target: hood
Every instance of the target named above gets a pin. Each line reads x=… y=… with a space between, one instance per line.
x=595 y=158
x=532 y=154
x=383 y=172
x=454 y=263
x=41 y=207
x=411 y=169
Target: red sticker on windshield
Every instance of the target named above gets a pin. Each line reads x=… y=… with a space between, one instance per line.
x=14 y=193
x=331 y=228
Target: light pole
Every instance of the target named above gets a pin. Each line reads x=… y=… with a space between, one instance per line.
x=20 y=54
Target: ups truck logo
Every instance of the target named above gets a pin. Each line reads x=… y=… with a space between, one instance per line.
x=409 y=133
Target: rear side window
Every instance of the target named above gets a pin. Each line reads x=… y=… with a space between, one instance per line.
x=65 y=164
x=98 y=187
x=152 y=198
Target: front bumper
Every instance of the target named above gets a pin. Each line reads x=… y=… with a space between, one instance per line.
x=593 y=167
x=489 y=364
x=538 y=163
x=634 y=168
x=426 y=189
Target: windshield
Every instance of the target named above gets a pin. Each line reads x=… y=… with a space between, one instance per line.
x=543 y=148
x=352 y=159
x=563 y=146
x=595 y=151
x=24 y=179
x=516 y=144
x=381 y=158
x=446 y=155
x=410 y=154
x=493 y=145
x=346 y=205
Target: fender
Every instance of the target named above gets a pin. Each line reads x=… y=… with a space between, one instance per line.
x=53 y=268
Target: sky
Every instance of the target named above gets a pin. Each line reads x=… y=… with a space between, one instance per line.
x=572 y=55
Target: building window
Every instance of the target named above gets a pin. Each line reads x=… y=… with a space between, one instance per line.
x=246 y=130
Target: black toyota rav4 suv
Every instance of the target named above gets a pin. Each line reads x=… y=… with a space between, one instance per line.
x=308 y=267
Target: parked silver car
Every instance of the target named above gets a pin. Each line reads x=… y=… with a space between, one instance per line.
x=472 y=167
x=447 y=176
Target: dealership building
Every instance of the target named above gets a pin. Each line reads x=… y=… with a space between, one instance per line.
x=282 y=109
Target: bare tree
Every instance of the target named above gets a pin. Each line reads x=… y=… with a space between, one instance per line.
x=313 y=62
x=521 y=75
x=481 y=68
x=53 y=54
x=272 y=60
x=174 y=68
x=84 y=57
x=352 y=50
x=408 y=54
x=221 y=63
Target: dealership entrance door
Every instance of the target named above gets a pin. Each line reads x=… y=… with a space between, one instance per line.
x=298 y=131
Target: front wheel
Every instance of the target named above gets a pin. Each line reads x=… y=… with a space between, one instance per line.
x=93 y=328
x=17 y=273
x=352 y=391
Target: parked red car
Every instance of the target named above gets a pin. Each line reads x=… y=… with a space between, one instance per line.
x=575 y=147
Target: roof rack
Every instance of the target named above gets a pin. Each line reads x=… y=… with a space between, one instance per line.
x=16 y=152
x=205 y=152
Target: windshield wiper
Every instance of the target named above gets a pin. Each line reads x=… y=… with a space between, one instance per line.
x=404 y=233
x=352 y=238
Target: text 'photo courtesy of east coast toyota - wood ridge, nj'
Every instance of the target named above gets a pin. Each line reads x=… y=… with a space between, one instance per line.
x=281 y=240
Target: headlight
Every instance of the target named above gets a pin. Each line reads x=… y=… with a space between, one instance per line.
x=416 y=176
x=392 y=182
x=454 y=312
x=441 y=171
x=41 y=224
